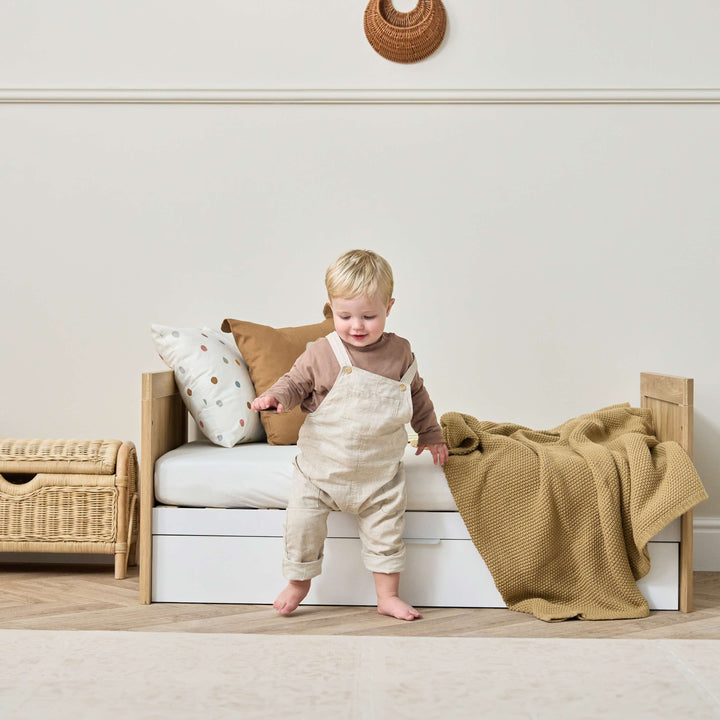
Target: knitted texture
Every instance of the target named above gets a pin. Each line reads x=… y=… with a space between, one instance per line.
x=562 y=517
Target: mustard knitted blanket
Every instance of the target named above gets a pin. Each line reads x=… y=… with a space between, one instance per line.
x=562 y=517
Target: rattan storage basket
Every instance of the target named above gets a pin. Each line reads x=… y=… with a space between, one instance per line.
x=69 y=496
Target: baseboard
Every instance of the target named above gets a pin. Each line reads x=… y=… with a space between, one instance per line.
x=706 y=544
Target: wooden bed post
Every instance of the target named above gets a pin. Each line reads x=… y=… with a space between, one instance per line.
x=164 y=427
x=671 y=400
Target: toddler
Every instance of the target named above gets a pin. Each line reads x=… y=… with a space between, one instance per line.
x=359 y=386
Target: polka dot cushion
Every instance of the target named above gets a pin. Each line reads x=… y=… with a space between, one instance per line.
x=213 y=380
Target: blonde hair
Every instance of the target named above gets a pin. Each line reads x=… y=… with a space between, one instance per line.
x=360 y=272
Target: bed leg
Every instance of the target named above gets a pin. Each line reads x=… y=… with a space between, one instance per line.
x=686 y=563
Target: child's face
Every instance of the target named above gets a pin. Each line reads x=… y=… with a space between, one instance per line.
x=360 y=321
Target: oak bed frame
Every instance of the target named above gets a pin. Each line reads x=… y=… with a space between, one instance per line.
x=165 y=427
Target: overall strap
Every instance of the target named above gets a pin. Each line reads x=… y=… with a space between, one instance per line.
x=409 y=375
x=339 y=349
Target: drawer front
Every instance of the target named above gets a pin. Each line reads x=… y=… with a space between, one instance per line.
x=243 y=522
x=263 y=523
x=660 y=585
x=439 y=573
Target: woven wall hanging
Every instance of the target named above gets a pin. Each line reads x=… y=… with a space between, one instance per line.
x=405 y=37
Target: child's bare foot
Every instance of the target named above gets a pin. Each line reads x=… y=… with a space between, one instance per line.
x=291 y=596
x=395 y=607
x=386 y=587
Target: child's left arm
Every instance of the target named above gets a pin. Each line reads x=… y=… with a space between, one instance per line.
x=425 y=424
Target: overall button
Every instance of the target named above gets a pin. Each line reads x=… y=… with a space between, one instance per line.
x=402 y=388
x=347 y=370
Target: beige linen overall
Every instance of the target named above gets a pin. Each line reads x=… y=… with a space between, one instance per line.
x=350 y=459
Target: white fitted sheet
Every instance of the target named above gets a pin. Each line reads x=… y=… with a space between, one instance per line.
x=258 y=475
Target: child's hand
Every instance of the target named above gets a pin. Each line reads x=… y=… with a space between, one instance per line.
x=266 y=402
x=438 y=451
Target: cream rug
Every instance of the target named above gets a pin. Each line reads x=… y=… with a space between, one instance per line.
x=74 y=675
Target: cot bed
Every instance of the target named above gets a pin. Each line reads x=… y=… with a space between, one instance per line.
x=197 y=545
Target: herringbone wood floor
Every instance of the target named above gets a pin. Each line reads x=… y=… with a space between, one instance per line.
x=87 y=597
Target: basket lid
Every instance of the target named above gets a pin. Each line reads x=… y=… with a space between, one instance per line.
x=82 y=457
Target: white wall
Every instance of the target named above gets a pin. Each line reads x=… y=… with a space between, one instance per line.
x=545 y=187
x=285 y=44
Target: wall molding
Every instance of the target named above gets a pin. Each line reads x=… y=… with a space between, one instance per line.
x=549 y=96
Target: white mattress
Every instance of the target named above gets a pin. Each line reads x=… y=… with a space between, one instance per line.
x=258 y=475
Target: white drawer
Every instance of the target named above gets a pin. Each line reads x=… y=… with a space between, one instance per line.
x=439 y=573
x=661 y=585
x=169 y=520
x=267 y=523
